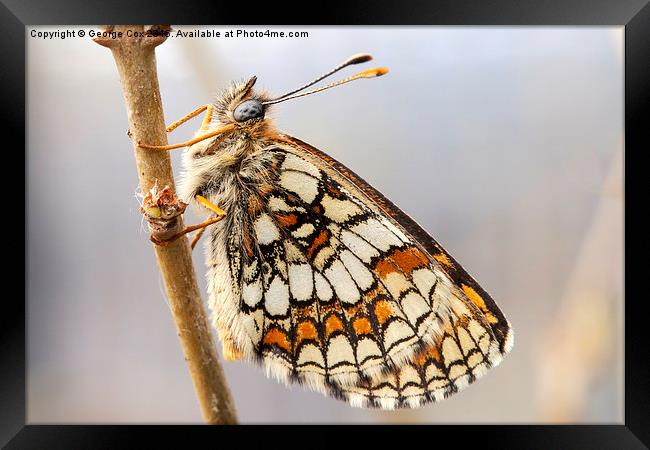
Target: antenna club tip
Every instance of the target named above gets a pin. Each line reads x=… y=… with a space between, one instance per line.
x=371 y=73
x=359 y=58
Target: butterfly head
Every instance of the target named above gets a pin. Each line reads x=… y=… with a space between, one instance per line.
x=242 y=106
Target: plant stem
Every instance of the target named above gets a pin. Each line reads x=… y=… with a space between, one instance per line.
x=136 y=63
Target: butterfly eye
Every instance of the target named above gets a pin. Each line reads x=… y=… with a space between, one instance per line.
x=249 y=109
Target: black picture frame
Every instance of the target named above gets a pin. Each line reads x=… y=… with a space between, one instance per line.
x=634 y=15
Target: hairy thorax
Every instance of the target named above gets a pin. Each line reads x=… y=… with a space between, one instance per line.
x=219 y=168
x=235 y=173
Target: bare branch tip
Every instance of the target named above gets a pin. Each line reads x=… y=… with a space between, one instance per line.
x=151 y=36
x=105 y=41
x=155 y=35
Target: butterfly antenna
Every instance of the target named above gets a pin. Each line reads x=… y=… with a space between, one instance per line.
x=354 y=59
x=370 y=73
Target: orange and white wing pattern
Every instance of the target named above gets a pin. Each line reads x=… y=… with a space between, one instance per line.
x=464 y=352
x=339 y=290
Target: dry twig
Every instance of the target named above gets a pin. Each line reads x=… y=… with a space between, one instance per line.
x=136 y=63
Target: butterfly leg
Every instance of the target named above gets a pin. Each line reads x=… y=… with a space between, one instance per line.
x=200 y=226
x=212 y=207
x=208 y=118
x=225 y=129
x=204 y=126
x=219 y=214
x=206 y=121
x=195 y=239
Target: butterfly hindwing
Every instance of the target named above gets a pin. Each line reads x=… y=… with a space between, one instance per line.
x=340 y=290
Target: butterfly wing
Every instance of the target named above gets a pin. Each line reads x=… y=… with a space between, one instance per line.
x=340 y=290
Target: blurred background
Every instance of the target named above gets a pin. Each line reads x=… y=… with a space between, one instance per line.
x=518 y=132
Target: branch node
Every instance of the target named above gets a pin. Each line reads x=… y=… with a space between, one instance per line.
x=162 y=208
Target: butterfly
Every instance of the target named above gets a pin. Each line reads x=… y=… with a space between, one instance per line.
x=320 y=279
